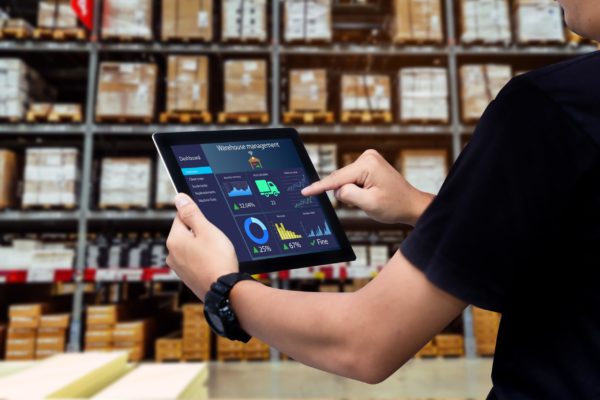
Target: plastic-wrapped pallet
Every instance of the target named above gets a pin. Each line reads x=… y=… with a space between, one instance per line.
x=50 y=177
x=127 y=19
x=423 y=94
x=539 y=21
x=187 y=83
x=308 y=20
x=244 y=20
x=187 y=19
x=417 y=21
x=14 y=88
x=480 y=84
x=8 y=177
x=245 y=86
x=125 y=182
x=486 y=21
x=126 y=90
x=308 y=90
x=56 y=14
x=366 y=92
x=165 y=193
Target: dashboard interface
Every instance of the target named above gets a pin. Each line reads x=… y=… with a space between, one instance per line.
x=251 y=191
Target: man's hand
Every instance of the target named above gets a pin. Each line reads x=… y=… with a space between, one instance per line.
x=372 y=184
x=199 y=252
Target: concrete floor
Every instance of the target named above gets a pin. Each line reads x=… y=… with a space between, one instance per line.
x=420 y=378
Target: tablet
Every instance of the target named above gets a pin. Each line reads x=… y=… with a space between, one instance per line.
x=248 y=183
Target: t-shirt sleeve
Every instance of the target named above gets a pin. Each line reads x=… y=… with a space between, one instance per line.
x=480 y=237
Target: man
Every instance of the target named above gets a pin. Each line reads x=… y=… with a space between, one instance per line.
x=515 y=229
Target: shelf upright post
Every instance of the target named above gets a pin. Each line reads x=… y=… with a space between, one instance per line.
x=456 y=144
x=86 y=186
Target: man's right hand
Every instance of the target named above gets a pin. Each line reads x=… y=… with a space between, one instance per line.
x=373 y=185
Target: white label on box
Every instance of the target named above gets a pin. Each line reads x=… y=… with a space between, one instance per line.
x=250 y=66
x=189 y=65
x=202 y=19
x=307 y=77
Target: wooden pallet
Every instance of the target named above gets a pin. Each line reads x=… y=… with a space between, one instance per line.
x=203 y=117
x=417 y=42
x=122 y=207
x=74 y=117
x=47 y=207
x=125 y=38
x=123 y=119
x=15 y=33
x=243 y=41
x=60 y=34
x=185 y=39
x=11 y=120
x=308 y=117
x=423 y=121
x=366 y=117
x=34 y=116
x=243 y=118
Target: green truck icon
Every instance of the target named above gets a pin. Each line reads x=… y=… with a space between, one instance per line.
x=267 y=188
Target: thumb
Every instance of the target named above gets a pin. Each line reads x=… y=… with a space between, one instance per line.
x=352 y=195
x=189 y=213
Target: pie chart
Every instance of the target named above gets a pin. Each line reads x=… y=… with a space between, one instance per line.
x=262 y=237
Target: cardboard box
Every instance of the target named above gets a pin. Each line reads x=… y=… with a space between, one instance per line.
x=56 y=14
x=245 y=86
x=479 y=85
x=134 y=331
x=165 y=192
x=417 y=20
x=56 y=343
x=307 y=20
x=93 y=335
x=244 y=20
x=20 y=333
x=187 y=83
x=51 y=176
x=366 y=92
x=126 y=90
x=104 y=314
x=51 y=332
x=8 y=178
x=19 y=355
x=424 y=94
x=55 y=321
x=125 y=182
x=308 y=90
x=127 y=19
x=539 y=21
x=486 y=21
x=27 y=310
x=187 y=19
x=98 y=346
x=20 y=344
x=136 y=350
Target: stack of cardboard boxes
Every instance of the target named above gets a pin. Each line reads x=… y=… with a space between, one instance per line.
x=54 y=14
x=417 y=21
x=126 y=91
x=539 y=21
x=126 y=19
x=165 y=193
x=486 y=21
x=37 y=256
x=485 y=328
x=245 y=86
x=366 y=92
x=100 y=324
x=424 y=95
x=196 y=333
x=19 y=85
x=169 y=348
x=125 y=182
x=479 y=85
x=450 y=344
x=187 y=20
x=134 y=336
x=244 y=20
x=308 y=90
x=50 y=177
x=308 y=21
x=8 y=178
x=187 y=84
x=52 y=335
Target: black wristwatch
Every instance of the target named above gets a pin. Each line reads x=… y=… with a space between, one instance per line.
x=218 y=311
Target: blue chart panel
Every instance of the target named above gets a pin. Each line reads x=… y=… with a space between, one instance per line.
x=294 y=181
x=237 y=189
x=262 y=236
x=318 y=230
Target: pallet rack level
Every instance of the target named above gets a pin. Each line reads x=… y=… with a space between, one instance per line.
x=450 y=52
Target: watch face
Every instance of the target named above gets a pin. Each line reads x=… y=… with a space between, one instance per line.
x=216 y=323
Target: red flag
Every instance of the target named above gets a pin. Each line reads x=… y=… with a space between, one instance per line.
x=85 y=11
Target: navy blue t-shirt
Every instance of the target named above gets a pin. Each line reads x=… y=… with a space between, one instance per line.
x=516 y=229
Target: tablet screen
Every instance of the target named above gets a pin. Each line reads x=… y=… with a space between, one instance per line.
x=251 y=191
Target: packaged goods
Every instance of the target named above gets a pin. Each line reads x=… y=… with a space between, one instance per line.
x=424 y=169
x=424 y=94
x=308 y=90
x=307 y=20
x=37 y=256
x=480 y=84
x=486 y=21
x=366 y=92
x=50 y=177
x=187 y=19
x=125 y=182
x=539 y=21
x=245 y=86
x=127 y=19
x=196 y=333
x=126 y=90
x=56 y=14
x=187 y=83
x=417 y=20
x=19 y=85
x=165 y=193
x=8 y=178
x=244 y=20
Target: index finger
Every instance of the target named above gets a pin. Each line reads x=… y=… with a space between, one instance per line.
x=352 y=173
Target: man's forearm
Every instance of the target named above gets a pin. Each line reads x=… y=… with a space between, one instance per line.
x=422 y=201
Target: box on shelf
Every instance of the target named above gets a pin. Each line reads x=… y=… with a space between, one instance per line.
x=169 y=347
x=56 y=14
x=187 y=83
x=424 y=94
x=134 y=336
x=245 y=86
x=26 y=315
x=165 y=193
x=187 y=20
x=485 y=329
x=307 y=20
x=480 y=84
x=125 y=19
x=8 y=178
x=50 y=177
x=366 y=92
x=417 y=21
x=448 y=344
x=196 y=333
x=55 y=321
x=539 y=21
x=244 y=20
x=308 y=90
x=19 y=85
x=424 y=169
x=486 y=21
x=105 y=315
x=126 y=90
x=125 y=182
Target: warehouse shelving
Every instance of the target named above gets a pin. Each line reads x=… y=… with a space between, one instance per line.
x=456 y=131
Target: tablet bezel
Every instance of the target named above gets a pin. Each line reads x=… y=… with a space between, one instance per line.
x=163 y=142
